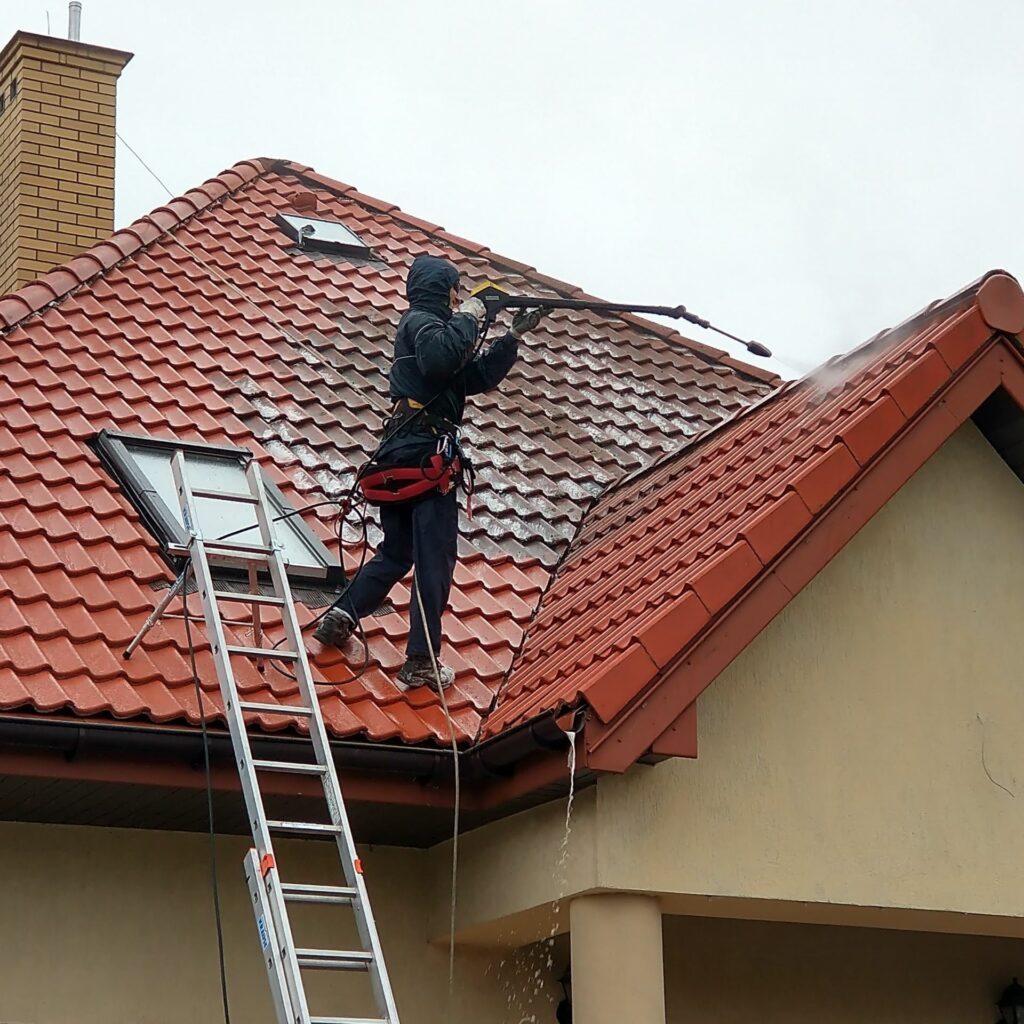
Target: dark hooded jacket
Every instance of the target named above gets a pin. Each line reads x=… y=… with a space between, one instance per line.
x=433 y=354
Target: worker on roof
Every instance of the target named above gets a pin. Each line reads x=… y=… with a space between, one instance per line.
x=433 y=370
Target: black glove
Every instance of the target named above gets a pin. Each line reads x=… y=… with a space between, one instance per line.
x=526 y=320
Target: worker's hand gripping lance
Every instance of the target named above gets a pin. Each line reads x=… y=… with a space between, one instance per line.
x=496 y=299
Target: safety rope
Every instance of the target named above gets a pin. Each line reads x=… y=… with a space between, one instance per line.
x=211 y=833
x=455 y=763
x=346 y=505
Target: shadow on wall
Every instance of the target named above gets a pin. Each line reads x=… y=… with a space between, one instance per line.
x=733 y=972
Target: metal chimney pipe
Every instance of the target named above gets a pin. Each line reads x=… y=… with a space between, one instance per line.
x=75 y=20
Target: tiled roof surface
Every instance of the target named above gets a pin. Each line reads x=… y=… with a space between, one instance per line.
x=142 y=334
x=659 y=558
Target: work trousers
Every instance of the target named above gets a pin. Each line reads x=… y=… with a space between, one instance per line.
x=423 y=535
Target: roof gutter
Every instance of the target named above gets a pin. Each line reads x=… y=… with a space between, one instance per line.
x=76 y=739
x=421 y=768
x=500 y=754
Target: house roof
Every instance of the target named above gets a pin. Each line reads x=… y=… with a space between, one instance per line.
x=202 y=322
x=674 y=572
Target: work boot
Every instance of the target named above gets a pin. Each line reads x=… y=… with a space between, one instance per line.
x=335 y=627
x=419 y=671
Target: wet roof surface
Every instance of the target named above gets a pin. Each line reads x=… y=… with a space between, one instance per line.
x=204 y=322
x=660 y=559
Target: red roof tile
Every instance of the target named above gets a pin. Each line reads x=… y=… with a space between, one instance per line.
x=201 y=321
x=662 y=559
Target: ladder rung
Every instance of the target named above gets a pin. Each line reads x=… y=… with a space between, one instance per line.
x=227 y=595
x=347 y=1020
x=259 y=561
x=304 y=828
x=294 y=767
x=238 y=547
x=245 y=499
x=275 y=709
x=295 y=892
x=334 y=959
x=261 y=652
x=224 y=622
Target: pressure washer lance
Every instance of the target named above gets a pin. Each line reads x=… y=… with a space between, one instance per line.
x=496 y=299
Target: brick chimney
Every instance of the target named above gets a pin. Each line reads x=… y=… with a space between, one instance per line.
x=56 y=152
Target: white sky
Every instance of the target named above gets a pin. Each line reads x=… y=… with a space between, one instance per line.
x=804 y=173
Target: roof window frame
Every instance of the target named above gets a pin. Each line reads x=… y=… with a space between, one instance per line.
x=114 y=450
x=312 y=243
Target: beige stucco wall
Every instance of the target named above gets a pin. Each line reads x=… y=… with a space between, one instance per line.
x=840 y=778
x=735 y=972
x=841 y=754
x=115 y=925
x=104 y=925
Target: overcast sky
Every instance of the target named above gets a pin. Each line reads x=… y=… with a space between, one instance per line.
x=805 y=173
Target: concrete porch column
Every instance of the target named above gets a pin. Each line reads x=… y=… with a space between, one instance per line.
x=618 y=971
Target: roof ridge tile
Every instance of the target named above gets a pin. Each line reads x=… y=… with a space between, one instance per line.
x=55 y=285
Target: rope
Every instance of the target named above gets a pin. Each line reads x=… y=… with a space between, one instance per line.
x=455 y=763
x=211 y=834
x=481 y=338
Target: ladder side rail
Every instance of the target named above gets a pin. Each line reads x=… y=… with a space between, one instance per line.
x=298 y=1011
x=349 y=856
x=269 y=942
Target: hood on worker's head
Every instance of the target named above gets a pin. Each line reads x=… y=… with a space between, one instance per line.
x=429 y=283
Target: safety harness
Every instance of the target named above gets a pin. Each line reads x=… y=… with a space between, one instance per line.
x=447 y=467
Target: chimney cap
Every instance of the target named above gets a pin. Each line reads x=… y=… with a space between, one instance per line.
x=57 y=44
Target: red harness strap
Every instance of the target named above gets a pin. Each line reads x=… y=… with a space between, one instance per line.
x=403 y=483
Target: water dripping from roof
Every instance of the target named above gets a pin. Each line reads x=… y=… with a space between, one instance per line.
x=537 y=963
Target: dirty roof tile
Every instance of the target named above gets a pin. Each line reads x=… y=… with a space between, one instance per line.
x=290 y=360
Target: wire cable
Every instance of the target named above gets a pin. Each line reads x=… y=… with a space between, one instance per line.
x=455 y=765
x=156 y=177
x=209 y=806
x=360 y=511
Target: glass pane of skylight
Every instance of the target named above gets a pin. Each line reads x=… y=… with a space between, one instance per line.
x=217 y=518
x=312 y=230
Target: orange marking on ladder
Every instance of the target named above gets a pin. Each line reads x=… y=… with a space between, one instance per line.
x=267 y=863
x=358 y=866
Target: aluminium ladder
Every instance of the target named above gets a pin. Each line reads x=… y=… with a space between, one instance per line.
x=285 y=962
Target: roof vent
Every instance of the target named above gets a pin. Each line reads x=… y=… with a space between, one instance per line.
x=328 y=236
x=305 y=202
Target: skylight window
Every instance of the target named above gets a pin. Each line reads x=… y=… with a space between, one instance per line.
x=322 y=235
x=142 y=465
